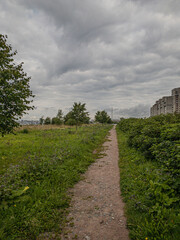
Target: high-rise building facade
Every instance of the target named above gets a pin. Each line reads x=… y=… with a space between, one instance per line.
x=167 y=104
x=176 y=100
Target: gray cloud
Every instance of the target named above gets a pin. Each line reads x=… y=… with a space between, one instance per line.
x=110 y=53
x=140 y=111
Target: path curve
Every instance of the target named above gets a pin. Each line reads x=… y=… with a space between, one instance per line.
x=97 y=207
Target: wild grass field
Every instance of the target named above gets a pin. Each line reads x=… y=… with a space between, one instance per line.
x=149 y=163
x=37 y=166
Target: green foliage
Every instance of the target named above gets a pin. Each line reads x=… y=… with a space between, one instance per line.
x=47 y=121
x=68 y=119
x=167 y=153
x=70 y=122
x=41 y=120
x=158 y=138
x=60 y=115
x=102 y=117
x=14 y=89
x=78 y=115
x=149 y=165
x=25 y=130
x=58 y=120
x=39 y=169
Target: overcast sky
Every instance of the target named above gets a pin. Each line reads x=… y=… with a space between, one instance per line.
x=120 y=54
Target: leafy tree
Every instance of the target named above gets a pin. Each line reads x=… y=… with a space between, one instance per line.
x=102 y=117
x=60 y=115
x=58 y=120
x=41 y=120
x=67 y=117
x=14 y=89
x=47 y=121
x=78 y=115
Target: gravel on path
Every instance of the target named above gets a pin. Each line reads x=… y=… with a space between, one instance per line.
x=97 y=209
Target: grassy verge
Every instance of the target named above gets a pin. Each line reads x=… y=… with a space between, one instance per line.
x=37 y=168
x=151 y=206
x=27 y=141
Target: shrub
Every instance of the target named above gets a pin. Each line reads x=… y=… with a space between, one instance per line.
x=150 y=192
x=158 y=138
x=25 y=130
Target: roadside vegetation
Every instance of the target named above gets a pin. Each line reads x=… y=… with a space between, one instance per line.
x=37 y=169
x=150 y=176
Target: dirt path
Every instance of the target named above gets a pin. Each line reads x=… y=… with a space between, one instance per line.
x=97 y=208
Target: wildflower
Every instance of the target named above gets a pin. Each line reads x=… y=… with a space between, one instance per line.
x=26 y=188
x=146 y=238
x=14 y=205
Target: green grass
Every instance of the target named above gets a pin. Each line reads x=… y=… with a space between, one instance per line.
x=151 y=206
x=37 y=169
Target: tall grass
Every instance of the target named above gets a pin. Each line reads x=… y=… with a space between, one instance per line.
x=37 y=169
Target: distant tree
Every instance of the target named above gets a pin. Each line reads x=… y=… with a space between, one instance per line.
x=47 y=121
x=54 y=120
x=60 y=115
x=15 y=91
x=41 y=120
x=58 y=120
x=78 y=115
x=102 y=117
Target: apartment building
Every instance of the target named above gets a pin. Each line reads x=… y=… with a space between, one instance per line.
x=167 y=104
x=176 y=99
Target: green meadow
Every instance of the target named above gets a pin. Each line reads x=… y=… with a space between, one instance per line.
x=37 y=167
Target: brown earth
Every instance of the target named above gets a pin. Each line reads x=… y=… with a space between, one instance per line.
x=97 y=208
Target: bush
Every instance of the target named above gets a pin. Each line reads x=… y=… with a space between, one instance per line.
x=158 y=139
x=25 y=130
x=150 y=195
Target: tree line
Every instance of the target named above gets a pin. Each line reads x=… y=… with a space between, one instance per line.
x=77 y=116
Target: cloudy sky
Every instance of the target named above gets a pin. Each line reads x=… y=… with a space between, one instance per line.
x=120 y=54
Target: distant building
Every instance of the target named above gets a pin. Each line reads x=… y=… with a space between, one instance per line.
x=167 y=104
x=176 y=100
x=28 y=122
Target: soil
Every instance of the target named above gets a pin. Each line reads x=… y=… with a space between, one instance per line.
x=97 y=209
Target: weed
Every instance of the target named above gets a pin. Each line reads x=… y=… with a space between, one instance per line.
x=37 y=169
